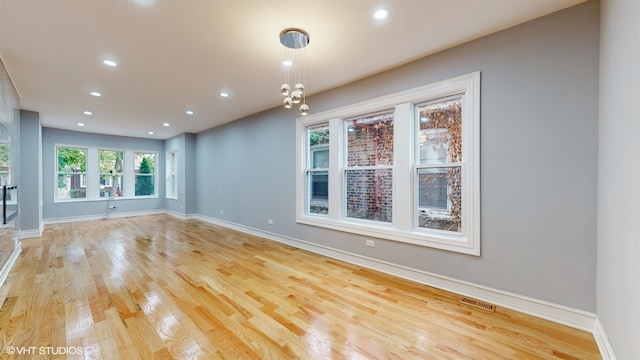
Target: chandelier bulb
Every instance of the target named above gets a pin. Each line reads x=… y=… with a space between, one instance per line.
x=299 y=87
x=296 y=96
x=284 y=89
x=287 y=102
x=304 y=109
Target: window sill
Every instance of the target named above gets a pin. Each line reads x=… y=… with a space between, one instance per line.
x=441 y=241
x=58 y=201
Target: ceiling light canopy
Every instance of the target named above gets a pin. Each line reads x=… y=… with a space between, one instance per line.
x=294 y=40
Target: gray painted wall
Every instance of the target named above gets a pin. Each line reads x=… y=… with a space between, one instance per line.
x=31 y=170
x=51 y=137
x=539 y=137
x=618 y=274
x=190 y=174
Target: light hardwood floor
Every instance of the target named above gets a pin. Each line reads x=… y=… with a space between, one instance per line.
x=157 y=287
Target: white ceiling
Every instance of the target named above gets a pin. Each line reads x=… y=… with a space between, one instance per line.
x=176 y=55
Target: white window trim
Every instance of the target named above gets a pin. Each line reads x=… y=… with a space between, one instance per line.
x=93 y=174
x=404 y=225
x=171 y=181
x=57 y=173
x=132 y=193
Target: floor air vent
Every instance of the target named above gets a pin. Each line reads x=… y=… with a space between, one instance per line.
x=479 y=304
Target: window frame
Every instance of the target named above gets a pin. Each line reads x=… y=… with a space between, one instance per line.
x=91 y=178
x=109 y=176
x=153 y=175
x=83 y=175
x=346 y=168
x=171 y=181
x=404 y=225
x=310 y=169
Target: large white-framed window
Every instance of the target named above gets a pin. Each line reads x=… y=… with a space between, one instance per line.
x=316 y=170
x=368 y=167
x=71 y=173
x=86 y=173
x=403 y=167
x=172 y=175
x=111 y=173
x=145 y=170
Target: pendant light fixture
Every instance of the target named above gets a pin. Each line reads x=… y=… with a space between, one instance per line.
x=295 y=40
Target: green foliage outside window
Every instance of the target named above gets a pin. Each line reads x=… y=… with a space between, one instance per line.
x=144 y=178
x=72 y=160
x=4 y=157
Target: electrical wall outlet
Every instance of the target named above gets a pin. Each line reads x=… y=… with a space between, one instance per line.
x=370 y=243
x=269 y=222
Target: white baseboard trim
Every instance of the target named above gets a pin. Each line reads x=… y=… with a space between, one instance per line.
x=113 y=215
x=180 y=215
x=6 y=268
x=32 y=233
x=553 y=312
x=606 y=351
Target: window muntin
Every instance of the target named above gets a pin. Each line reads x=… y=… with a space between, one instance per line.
x=434 y=169
x=71 y=173
x=145 y=164
x=111 y=173
x=317 y=170
x=368 y=174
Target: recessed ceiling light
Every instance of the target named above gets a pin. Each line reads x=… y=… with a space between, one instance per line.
x=287 y=62
x=166 y=124
x=224 y=94
x=95 y=93
x=189 y=112
x=150 y=133
x=110 y=63
x=88 y=113
x=80 y=124
x=381 y=14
